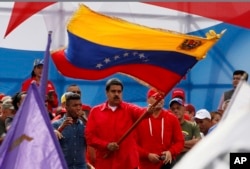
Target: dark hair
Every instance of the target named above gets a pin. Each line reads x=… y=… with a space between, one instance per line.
x=71 y=96
x=17 y=98
x=33 y=73
x=241 y=72
x=113 y=81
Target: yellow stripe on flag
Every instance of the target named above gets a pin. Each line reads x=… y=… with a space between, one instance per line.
x=114 y=32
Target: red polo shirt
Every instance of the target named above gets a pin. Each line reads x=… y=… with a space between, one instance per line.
x=105 y=126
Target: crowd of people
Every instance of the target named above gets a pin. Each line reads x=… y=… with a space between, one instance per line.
x=94 y=137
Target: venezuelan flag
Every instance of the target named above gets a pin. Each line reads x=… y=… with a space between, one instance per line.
x=100 y=46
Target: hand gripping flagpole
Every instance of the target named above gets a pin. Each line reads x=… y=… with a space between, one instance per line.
x=150 y=110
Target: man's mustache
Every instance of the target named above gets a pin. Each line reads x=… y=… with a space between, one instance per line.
x=116 y=97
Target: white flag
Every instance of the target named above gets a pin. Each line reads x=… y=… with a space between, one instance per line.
x=230 y=136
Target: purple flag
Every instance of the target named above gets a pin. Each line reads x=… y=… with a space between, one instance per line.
x=45 y=72
x=30 y=142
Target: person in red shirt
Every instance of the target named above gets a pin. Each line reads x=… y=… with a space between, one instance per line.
x=36 y=74
x=159 y=138
x=107 y=123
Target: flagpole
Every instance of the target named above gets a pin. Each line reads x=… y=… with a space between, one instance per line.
x=147 y=112
x=44 y=78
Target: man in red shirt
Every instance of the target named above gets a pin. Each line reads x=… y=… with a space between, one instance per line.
x=159 y=137
x=36 y=74
x=107 y=123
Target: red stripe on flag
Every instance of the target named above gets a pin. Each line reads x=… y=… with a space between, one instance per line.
x=157 y=77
